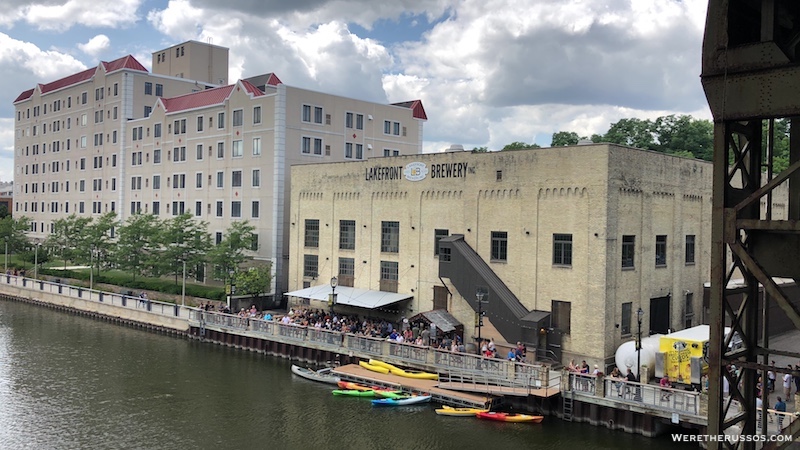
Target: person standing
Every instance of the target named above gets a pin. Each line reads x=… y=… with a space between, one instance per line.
x=780 y=407
x=787 y=383
x=771 y=379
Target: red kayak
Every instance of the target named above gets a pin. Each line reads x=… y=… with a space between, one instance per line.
x=508 y=417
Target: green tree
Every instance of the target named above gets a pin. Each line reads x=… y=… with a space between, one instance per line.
x=254 y=281
x=65 y=233
x=182 y=239
x=516 y=145
x=480 y=150
x=562 y=138
x=96 y=237
x=633 y=133
x=681 y=134
x=14 y=230
x=230 y=253
x=137 y=243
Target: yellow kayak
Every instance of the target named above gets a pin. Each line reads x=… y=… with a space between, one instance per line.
x=404 y=373
x=373 y=368
x=459 y=412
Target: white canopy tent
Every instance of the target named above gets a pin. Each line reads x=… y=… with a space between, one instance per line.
x=359 y=298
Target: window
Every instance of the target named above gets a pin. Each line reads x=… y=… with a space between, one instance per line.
x=396 y=128
x=255 y=211
x=389 y=276
x=159 y=90
x=359 y=151
x=499 y=246
x=312 y=233
x=220 y=179
x=256 y=146
x=219 y=208
x=198 y=209
x=147 y=111
x=306 y=113
x=347 y=271
x=179 y=154
x=661 y=250
x=387 y=127
x=236 y=208
x=348 y=150
x=221 y=120
x=318 y=146
x=220 y=150
x=198 y=180
x=238 y=116
x=359 y=121
x=347 y=234
x=199 y=155
x=310 y=266
x=256 y=182
x=306 y=149
x=178 y=208
x=156 y=208
x=157 y=130
x=157 y=156
x=317 y=114
x=238 y=149
x=156 y=182
x=148 y=88
x=254 y=242
x=625 y=319
x=348 y=120
x=628 y=251
x=180 y=126
x=560 y=316
x=178 y=181
x=444 y=254
x=236 y=178
x=689 y=249
x=688 y=313
x=437 y=236
x=200 y=122
x=562 y=249
x=217 y=238
x=256 y=115
x=390 y=237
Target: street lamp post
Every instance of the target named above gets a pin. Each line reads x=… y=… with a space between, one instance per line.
x=183 y=287
x=5 y=269
x=639 y=315
x=332 y=299
x=479 y=294
x=36 y=261
x=230 y=294
x=91 y=268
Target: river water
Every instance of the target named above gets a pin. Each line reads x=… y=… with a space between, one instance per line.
x=70 y=382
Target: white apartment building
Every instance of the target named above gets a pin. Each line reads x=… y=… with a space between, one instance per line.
x=118 y=138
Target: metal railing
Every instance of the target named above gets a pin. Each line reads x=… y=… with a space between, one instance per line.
x=641 y=394
x=529 y=376
x=490 y=382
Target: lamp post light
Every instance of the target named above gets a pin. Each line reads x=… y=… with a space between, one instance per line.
x=639 y=315
x=183 y=287
x=36 y=260
x=480 y=294
x=230 y=294
x=332 y=300
x=5 y=269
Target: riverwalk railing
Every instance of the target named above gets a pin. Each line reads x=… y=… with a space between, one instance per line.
x=530 y=376
x=633 y=393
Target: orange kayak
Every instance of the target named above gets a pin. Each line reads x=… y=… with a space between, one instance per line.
x=508 y=417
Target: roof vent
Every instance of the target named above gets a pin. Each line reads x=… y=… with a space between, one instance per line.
x=585 y=142
x=456 y=148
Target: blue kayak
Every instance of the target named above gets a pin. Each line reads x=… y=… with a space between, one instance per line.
x=402 y=401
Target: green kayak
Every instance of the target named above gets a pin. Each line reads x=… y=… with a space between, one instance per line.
x=354 y=393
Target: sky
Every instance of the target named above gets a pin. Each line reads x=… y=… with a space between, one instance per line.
x=488 y=72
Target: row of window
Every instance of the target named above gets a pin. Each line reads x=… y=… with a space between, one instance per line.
x=389 y=274
x=179 y=207
x=390 y=235
x=629 y=250
x=80 y=99
x=57 y=166
x=66 y=124
x=179 y=180
x=315 y=114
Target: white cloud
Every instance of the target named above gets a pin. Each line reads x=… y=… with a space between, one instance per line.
x=96 y=45
x=63 y=15
x=6 y=149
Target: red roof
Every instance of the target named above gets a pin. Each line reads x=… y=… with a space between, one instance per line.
x=416 y=107
x=126 y=62
x=208 y=97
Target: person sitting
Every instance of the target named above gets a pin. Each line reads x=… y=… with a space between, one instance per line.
x=665 y=383
x=512 y=355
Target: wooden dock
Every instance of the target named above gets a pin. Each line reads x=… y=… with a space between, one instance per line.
x=358 y=374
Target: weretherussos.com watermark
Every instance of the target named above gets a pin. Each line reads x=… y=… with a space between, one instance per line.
x=732 y=438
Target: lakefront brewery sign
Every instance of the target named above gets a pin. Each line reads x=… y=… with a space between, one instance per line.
x=418 y=171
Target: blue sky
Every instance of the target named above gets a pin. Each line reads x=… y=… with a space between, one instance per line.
x=489 y=72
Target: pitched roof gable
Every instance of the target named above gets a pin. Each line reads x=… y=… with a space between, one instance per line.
x=418 y=110
x=126 y=62
x=208 y=97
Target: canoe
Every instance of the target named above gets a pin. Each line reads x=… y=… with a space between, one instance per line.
x=509 y=417
x=413 y=400
x=323 y=375
x=369 y=366
x=459 y=412
x=354 y=393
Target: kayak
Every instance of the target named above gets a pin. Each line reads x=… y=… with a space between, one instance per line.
x=354 y=393
x=353 y=386
x=394 y=370
x=390 y=394
x=323 y=375
x=373 y=368
x=459 y=412
x=413 y=400
x=508 y=417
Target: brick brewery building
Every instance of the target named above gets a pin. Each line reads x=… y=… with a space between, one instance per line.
x=567 y=243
